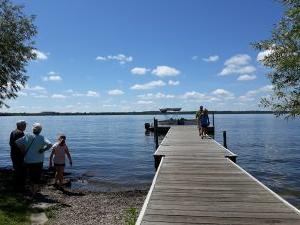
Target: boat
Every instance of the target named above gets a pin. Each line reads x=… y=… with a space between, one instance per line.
x=165 y=110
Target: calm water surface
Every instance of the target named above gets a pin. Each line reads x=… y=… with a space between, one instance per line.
x=113 y=153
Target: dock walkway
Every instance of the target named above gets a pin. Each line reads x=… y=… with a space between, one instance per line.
x=196 y=184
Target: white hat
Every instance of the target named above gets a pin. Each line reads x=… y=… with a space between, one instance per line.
x=37 y=128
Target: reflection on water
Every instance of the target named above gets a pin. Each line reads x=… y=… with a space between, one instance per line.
x=114 y=152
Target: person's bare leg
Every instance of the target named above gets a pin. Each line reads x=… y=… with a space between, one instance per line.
x=61 y=175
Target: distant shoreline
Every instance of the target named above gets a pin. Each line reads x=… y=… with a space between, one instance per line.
x=128 y=113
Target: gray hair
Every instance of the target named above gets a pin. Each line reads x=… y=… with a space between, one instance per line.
x=21 y=124
x=36 y=128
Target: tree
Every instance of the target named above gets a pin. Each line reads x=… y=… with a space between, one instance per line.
x=281 y=53
x=16 y=48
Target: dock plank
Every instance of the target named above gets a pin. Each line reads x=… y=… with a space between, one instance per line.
x=196 y=184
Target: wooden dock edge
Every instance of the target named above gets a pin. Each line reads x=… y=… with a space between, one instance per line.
x=267 y=189
x=144 y=207
x=232 y=156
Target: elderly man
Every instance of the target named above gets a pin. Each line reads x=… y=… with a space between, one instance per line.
x=17 y=156
x=34 y=145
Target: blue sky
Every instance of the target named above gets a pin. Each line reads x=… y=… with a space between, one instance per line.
x=138 y=55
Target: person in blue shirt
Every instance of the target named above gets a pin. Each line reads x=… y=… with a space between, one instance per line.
x=204 y=123
x=34 y=145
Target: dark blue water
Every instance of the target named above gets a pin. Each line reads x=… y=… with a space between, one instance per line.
x=113 y=152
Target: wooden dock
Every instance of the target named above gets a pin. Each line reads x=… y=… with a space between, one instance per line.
x=196 y=183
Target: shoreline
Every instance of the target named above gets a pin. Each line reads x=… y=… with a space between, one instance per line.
x=67 y=205
x=3 y=114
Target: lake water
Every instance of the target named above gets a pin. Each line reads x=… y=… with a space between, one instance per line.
x=113 y=153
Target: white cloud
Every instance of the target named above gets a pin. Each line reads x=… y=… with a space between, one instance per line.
x=195 y=57
x=70 y=91
x=101 y=58
x=193 y=95
x=163 y=71
x=221 y=93
x=115 y=92
x=92 y=94
x=249 y=96
x=173 y=83
x=150 y=85
x=21 y=93
x=58 y=96
x=240 y=59
x=238 y=64
x=36 y=88
x=141 y=102
x=139 y=70
x=40 y=96
x=261 y=55
x=39 y=55
x=246 y=77
x=121 y=58
x=212 y=58
x=52 y=76
x=158 y=95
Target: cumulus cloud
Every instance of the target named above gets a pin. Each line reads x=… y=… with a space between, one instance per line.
x=212 y=58
x=89 y=93
x=121 y=58
x=261 y=55
x=164 y=71
x=36 y=88
x=193 y=95
x=158 y=95
x=238 y=64
x=142 y=102
x=40 y=55
x=58 y=96
x=52 y=76
x=92 y=94
x=21 y=93
x=246 y=77
x=139 y=70
x=249 y=96
x=115 y=92
x=174 y=83
x=198 y=97
x=150 y=85
x=221 y=93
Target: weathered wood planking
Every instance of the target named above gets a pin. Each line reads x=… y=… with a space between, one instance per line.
x=196 y=184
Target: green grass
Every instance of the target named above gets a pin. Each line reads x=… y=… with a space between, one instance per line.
x=131 y=216
x=14 y=209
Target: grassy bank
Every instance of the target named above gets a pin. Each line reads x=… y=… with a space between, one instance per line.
x=14 y=208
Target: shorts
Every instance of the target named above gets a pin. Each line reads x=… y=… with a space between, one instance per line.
x=59 y=164
x=204 y=125
x=34 y=172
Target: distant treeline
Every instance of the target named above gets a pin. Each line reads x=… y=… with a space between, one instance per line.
x=128 y=113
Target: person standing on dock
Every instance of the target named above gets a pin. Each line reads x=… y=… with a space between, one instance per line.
x=198 y=118
x=204 y=123
x=17 y=156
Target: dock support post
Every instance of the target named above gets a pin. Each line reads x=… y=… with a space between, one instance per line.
x=224 y=139
x=155 y=133
x=213 y=116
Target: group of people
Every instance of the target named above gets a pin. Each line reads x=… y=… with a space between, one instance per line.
x=202 y=121
x=27 y=155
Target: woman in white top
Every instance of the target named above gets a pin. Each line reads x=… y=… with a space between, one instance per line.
x=59 y=150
